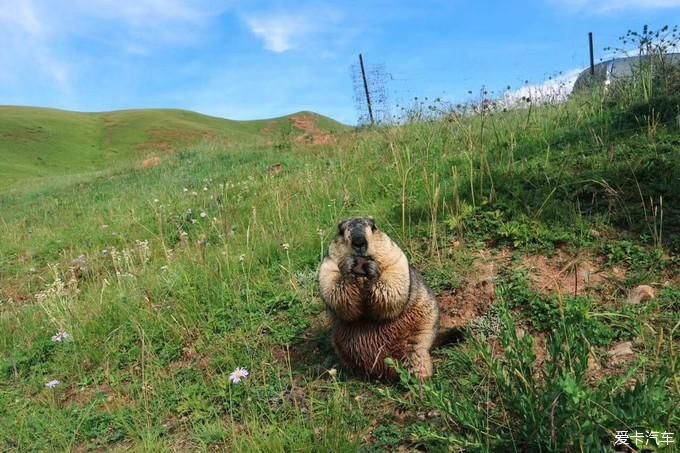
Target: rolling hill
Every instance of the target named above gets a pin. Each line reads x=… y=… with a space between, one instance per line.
x=41 y=142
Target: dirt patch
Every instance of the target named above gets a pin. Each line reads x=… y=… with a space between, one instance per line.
x=311 y=133
x=190 y=358
x=462 y=306
x=110 y=400
x=566 y=274
x=151 y=162
x=295 y=395
x=12 y=294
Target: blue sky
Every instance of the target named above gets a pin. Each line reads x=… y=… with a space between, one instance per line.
x=259 y=59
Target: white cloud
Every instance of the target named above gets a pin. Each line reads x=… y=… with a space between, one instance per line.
x=555 y=89
x=281 y=32
x=605 y=6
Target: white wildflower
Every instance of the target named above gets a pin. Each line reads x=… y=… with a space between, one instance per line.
x=286 y=246
x=53 y=383
x=61 y=336
x=185 y=190
x=204 y=215
x=237 y=375
x=242 y=257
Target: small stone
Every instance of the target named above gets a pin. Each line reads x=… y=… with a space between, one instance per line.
x=618 y=273
x=275 y=169
x=640 y=294
x=621 y=349
x=520 y=333
x=81 y=261
x=433 y=414
x=593 y=364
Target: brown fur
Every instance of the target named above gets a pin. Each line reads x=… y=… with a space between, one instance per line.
x=380 y=305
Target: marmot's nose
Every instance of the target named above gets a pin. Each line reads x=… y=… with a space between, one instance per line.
x=359 y=243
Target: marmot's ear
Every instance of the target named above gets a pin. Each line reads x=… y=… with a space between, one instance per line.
x=341 y=228
x=371 y=222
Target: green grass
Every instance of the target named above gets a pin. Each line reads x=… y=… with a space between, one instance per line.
x=158 y=326
x=36 y=143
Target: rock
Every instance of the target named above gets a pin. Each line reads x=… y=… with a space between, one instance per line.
x=640 y=294
x=275 y=169
x=621 y=349
x=593 y=364
x=81 y=261
x=618 y=273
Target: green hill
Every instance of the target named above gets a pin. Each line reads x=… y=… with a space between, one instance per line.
x=40 y=142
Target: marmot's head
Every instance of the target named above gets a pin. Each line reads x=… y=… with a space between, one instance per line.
x=356 y=234
x=361 y=238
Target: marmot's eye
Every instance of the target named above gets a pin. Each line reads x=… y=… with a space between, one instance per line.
x=341 y=228
x=372 y=224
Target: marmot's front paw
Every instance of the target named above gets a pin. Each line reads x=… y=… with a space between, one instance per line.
x=371 y=269
x=364 y=267
x=347 y=266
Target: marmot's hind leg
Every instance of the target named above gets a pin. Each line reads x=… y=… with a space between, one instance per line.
x=419 y=363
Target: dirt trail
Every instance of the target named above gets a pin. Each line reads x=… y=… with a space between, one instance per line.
x=311 y=133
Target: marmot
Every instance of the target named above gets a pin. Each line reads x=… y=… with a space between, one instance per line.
x=380 y=306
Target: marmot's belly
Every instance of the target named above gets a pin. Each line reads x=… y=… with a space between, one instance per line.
x=365 y=345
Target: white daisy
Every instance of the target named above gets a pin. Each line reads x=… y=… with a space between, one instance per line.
x=61 y=336
x=52 y=384
x=237 y=375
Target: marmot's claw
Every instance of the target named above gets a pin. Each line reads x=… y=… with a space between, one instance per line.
x=371 y=269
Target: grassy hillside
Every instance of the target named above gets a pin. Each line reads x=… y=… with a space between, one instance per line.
x=38 y=142
x=532 y=227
